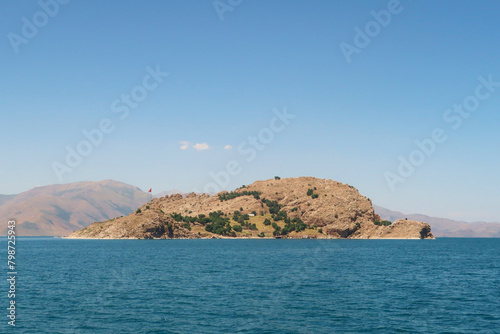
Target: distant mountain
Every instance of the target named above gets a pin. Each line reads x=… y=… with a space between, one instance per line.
x=5 y=198
x=442 y=227
x=62 y=209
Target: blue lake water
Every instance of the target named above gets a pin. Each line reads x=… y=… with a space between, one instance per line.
x=256 y=286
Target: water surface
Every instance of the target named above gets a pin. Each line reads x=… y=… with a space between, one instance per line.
x=257 y=286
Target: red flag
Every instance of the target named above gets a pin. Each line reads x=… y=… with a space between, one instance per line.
x=150 y=190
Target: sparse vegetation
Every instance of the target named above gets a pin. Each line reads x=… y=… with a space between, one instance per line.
x=296 y=224
x=382 y=223
x=281 y=215
x=215 y=222
x=294 y=209
x=273 y=206
x=219 y=225
x=231 y=195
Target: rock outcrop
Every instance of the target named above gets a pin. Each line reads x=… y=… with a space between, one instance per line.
x=328 y=208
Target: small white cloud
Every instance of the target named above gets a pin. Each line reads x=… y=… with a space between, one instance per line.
x=201 y=147
x=228 y=147
x=184 y=145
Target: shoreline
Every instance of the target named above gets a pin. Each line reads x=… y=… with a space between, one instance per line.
x=244 y=238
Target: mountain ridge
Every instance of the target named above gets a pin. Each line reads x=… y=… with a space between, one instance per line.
x=60 y=209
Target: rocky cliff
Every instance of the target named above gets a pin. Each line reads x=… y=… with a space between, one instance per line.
x=304 y=207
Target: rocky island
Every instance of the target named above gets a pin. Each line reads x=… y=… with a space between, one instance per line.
x=304 y=207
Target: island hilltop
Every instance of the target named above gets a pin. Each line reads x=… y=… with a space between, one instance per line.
x=304 y=207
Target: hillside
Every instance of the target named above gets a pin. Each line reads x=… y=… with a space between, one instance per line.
x=294 y=207
x=62 y=209
x=442 y=227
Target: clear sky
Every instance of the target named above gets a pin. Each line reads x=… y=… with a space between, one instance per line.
x=361 y=93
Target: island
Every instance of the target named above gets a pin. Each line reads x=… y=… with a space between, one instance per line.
x=288 y=208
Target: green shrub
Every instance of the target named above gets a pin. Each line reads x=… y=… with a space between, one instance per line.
x=261 y=235
x=320 y=230
x=310 y=192
x=267 y=222
x=237 y=228
x=314 y=196
x=218 y=224
x=253 y=227
x=294 y=209
x=138 y=211
x=277 y=178
x=382 y=223
x=187 y=225
x=280 y=216
x=273 y=206
x=231 y=195
x=147 y=207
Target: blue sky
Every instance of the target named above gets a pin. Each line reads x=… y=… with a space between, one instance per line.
x=352 y=120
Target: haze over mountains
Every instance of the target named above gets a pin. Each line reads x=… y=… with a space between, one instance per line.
x=62 y=209
x=442 y=227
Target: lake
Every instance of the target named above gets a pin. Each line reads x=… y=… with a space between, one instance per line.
x=255 y=286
